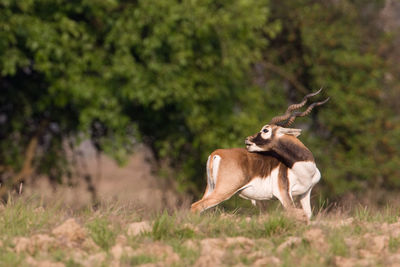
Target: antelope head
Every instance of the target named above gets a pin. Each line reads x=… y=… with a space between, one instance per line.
x=270 y=134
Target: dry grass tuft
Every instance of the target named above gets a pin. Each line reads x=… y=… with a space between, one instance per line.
x=33 y=234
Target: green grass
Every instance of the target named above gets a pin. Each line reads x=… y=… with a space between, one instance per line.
x=24 y=217
x=266 y=230
x=137 y=260
x=278 y=225
x=101 y=233
x=338 y=246
x=394 y=244
x=72 y=263
x=388 y=214
x=8 y=258
x=168 y=227
x=188 y=256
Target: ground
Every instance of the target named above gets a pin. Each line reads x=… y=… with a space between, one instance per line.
x=33 y=233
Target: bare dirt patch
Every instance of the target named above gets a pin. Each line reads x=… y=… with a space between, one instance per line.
x=70 y=231
x=214 y=250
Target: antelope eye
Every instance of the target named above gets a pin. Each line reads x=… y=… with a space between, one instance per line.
x=265 y=130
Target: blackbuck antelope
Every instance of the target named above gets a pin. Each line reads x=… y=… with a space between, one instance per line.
x=281 y=166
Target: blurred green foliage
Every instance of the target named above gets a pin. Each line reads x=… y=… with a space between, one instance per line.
x=187 y=77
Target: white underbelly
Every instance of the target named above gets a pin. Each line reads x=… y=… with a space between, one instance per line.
x=260 y=188
x=302 y=177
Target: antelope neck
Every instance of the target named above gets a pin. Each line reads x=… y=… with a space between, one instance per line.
x=290 y=151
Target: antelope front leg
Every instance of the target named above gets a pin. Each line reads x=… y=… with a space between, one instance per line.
x=305 y=203
x=291 y=210
x=282 y=193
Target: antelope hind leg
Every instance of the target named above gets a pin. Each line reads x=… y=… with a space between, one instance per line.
x=209 y=201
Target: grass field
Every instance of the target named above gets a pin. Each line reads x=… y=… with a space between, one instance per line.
x=38 y=234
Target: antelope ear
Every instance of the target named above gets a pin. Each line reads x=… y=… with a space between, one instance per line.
x=289 y=131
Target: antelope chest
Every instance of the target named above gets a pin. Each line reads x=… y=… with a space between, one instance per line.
x=301 y=177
